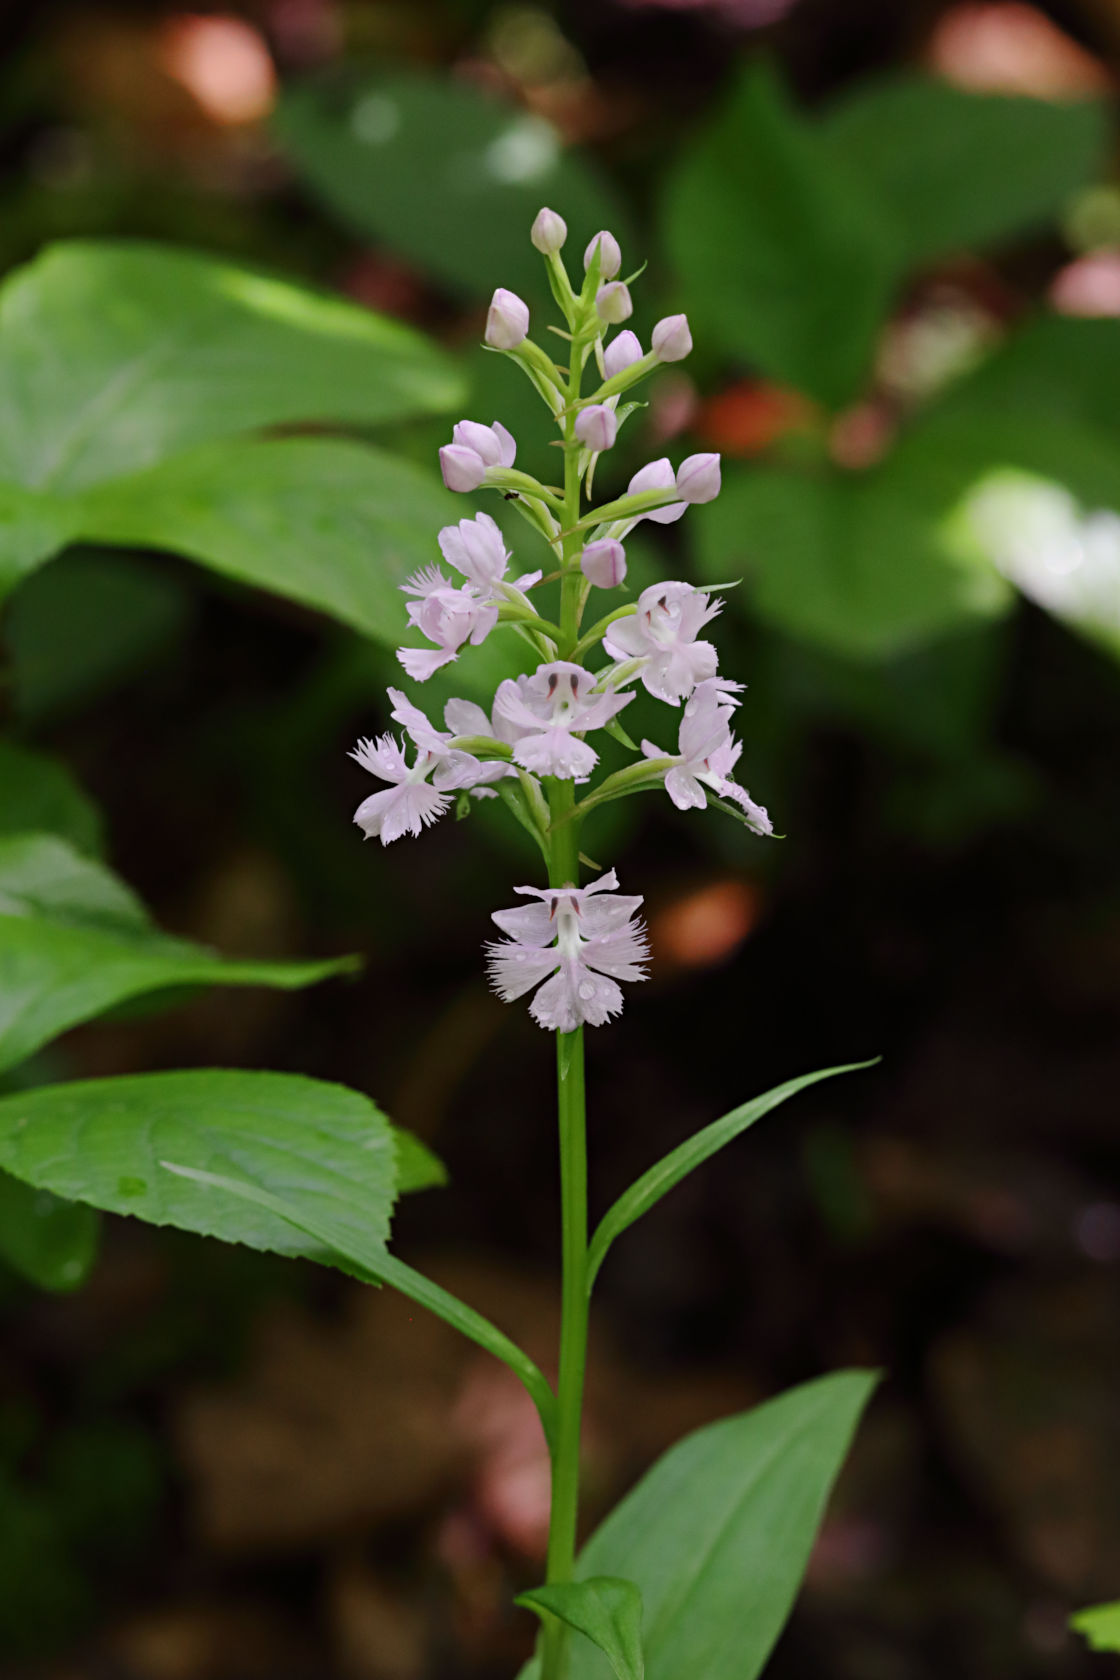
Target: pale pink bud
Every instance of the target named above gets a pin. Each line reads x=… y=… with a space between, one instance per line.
x=612 y=303
x=508 y=320
x=610 y=257
x=698 y=478
x=621 y=353
x=603 y=563
x=462 y=468
x=672 y=341
x=548 y=232
x=597 y=427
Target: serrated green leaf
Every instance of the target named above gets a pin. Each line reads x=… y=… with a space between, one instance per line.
x=334 y=524
x=605 y=1609
x=961 y=170
x=52 y=1243
x=784 y=256
x=382 y=150
x=717 y=1535
x=1100 y=1625
x=101 y=1141
x=117 y=354
x=363 y=1253
x=74 y=942
x=41 y=795
x=646 y=1191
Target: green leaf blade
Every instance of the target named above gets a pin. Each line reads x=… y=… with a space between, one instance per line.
x=606 y=1609
x=380 y=150
x=75 y=942
x=646 y=1191
x=961 y=170
x=118 y=354
x=784 y=256
x=50 y=1242
x=333 y=524
x=1100 y=1624
x=101 y=1141
x=40 y=795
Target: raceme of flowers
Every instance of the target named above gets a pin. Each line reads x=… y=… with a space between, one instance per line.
x=539 y=746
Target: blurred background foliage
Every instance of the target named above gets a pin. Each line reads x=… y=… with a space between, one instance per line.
x=896 y=231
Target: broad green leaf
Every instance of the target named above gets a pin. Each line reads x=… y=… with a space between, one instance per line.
x=74 y=942
x=717 y=1535
x=33 y=526
x=861 y=565
x=117 y=354
x=334 y=524
x=444 y=174
x=85 y=624
x=101 y=1141
x=1101 y=1626
x=649 y=1189
x=783 y=255
x=36 y=793
x=608 y=1610
x=363 y=1252
x=50 y=1242
x=958 y=169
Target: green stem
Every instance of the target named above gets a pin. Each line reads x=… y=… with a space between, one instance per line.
x=563 y=870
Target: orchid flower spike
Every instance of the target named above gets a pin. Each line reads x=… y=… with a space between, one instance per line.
x=586 y=938
x=603 y=563
x=698 y=478
x=449 y=617
x=708 y=752
x=507 y=322
x=473 y=450
x=613 y=303
x=657 y=475
x=662 y=634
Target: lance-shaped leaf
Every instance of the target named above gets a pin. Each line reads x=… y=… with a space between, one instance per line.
x=74 y=942
x=717 y=1535
x=101 y=1141
x=606 y=1609
x=117 y=354
x=50 y=1242
x=669 y=1171
x=334 y=524
x=39 y=794
x=360 y=1251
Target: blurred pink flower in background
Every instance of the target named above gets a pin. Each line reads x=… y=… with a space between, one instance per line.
x=223 y=62
x=1005 y=46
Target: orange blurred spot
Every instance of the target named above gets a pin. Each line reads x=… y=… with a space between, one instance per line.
x=707 y=925
x=223 y=63
x=1005 y=46
x=1089 y=286
x=749 y=416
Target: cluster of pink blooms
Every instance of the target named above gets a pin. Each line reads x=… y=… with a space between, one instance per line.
x=573 y=944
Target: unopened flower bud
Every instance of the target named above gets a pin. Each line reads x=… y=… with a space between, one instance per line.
x=610 y=257
x=603 y=563
x=548 y=232
x=612 y=303
x=597 y=427
x=698 y=478
x=672 y=341
x=462 y=468
x=508 y=320
x=621 y=353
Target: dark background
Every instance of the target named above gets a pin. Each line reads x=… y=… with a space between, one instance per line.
x=218 y=1466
